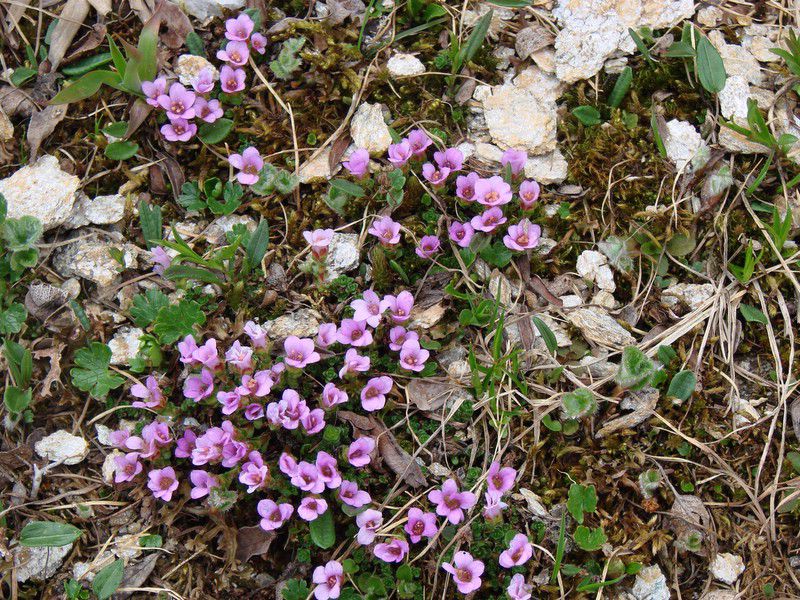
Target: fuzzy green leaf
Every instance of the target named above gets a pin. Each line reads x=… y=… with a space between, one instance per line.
x=91 y=373
x=176 y=321
x=48 y=534
x=107 y=581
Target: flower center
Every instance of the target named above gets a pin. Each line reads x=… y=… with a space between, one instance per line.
x=418 y=528
x=179 y=129
x=492 y=196
x=463 y=575
x=332 y=581
x=356 y=334
x=452 y=503
x=522 y=239
x=177 y=107
x=166 y=483
x=250 y=169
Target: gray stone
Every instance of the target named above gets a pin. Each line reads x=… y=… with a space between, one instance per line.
x=692 y=295
x=62 y=447
x=39 y=563
x=203 y=9
x=89 y=258
x=369 y=130
x=303 y=322
x=215 y=233
x=405 y=65
x=102 y=210
x=600 y=328
x=343 y=255
x=125 y=345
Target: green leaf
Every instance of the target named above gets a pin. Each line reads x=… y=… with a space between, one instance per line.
x=295 y=589
x=475 y=40
x=177 y=321
x=348 y=187
x=13 y=318
x=86 y=86
x=681 y=244
x=635 y=369
x=148 y=60
x=116 y=56
x=232 y=193
x=22 y=233
x=122 y=150
x=107 y=581
x=588 y=115
x=710 y=68
x=151 y=223
x=91 y=373
x=20 y=362
x=621 y=87
x=48 y=534
x=581 y=499
x=642 y=47
x=322 y=531
x=89 y=63
x=497 y=254
x=195 y=44
x=191 y=197
x=214 y=133
x=589 y=539
x=752 y=314
x=682 y=385
x=547 y=334
x=146 y=306
x=258 y=243
x=22 y=75
x=116 y=130
x=3 y=208
x=578 y=404
x=16 y=399
x=176 y=272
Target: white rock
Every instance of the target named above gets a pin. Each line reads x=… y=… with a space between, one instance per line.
x=720 y=595
x=89 y=258
x=545 y=59
x=189 y=66
x=203 y=9
x=593 y=266
x=660 y=14
x=532 y=39
x=600 y=328
x=215 y=233
x=102 y=210
x=710 y=16
x=302 y=323
x=692 y=295
x=503 y=56
x=343 y=255
x=522 y=114
x=650 y=584
x=6 y=128
x=62 y=447
x=405 y=65
x=548 y=168
x=738 y=61
x=125 y=345
x=369 y=130
x=733 y=105
x=109 y=467
x=467 y=149
x=318 y=169
x=41 y=190
x=103 y=434
x=727 y=567
x=40 y=563
x=685 y=146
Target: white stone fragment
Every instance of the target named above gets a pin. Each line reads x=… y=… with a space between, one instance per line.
x=203 y=9
x=41 y=190
x=693 y=295
x=369 y=130
x=102 y=210
x=343 y=255
x=215 y=233
x=109 y=467
x=405 y=65
x=593 y=266
x=318 y=169
x=6 y=128
x=600 y=328
x=125 y=345
x=685 y=146
x=302 y=323
x=38 y=563
x=62 y=447
x=737 y=60
x=189 y=66
x=650 y=584
x=89 y=258
x=726 y=567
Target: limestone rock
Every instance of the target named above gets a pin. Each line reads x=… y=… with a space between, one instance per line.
x=692 y=295
x=532 y=39
x=685 y=146
x=62 y=447
x=738 y=61
x=369 y=130
x=303 y=322
x=318 y=169
x=125 y=345
x=6 y=128
x=727 y=567
x=203 y=9
x=189 y=66
x=343 y=255
x=733 y=105
x=215 y=233
x=548 y=168
x=39 y=563
x=598 y=327
x=89 y=258
x=102 y=210
x=41 y=190
x=650 y=584
x=593 y=266
x=405 y=65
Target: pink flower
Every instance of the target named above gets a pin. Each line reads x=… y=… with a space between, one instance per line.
x=198 y=387
x=368 y=523
x=254 y=411
x=500 y=480
x=207 y=355
x=258 y=43
x=259 y=384
x=419 y=142
x=161 y=260
x=203 y=83
x=428 y=246
x=400 y=306
x=119 y=438
x=392 y=552
x=179 y=103
x=451 y=503
x=354 y=333
x=522 y=236
x=451 y=159
x=332 y=395
x=358 y=454
x=329 y=580
x=310 y=508
x=493 y=191
x=413 y=356
x=208 y=447
x=306 y=477
x=254 y=472
x=465 y=186
x=466 y=572
x=436 y=177
x=289 y=412
x=353 y=361
x=231 y=80
x=153 y=89
x=240 y=28
x=299 y=352
x=178 y=130
x=326 y=335
x=373 y=395
x=249 y=163
x=202 y=483
x=240 y=357
x=319 y=240
x=235 y=53
x=461 y=233
x=352 y=496
x=273 y=515
x=367 y=308
x=358 y=163
x=256 y=333
x=186 y=444
x=207 y=110
x=187 y=349
x=494 y=507
x=314 y=421
x=420 y=524
x=127 y=466
x=163 y=483
x=287 y=464
x=528 y=194
x=150 y=393
x=400 y=153
x=516 y=159
x=230 y=402
x=328 y=470
x=398 y=336
x=518 y=589
x=386 y=230
x=488 y=220
x=518 y=553
x=233 y=452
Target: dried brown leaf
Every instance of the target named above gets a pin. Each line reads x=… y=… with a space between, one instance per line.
x=136 y=573
x=337 y=150
x=137 y=115
x=647 y=399
x=53 y=354
x=90 y=41
x=16 y=102
x=252 y=541
x=430 y=395
x=42 y=124
x=69 y=23
x=174 y=19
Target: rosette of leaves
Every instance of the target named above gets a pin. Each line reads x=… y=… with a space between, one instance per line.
x=578 y=404
x=288 y=61
x=635 y=370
